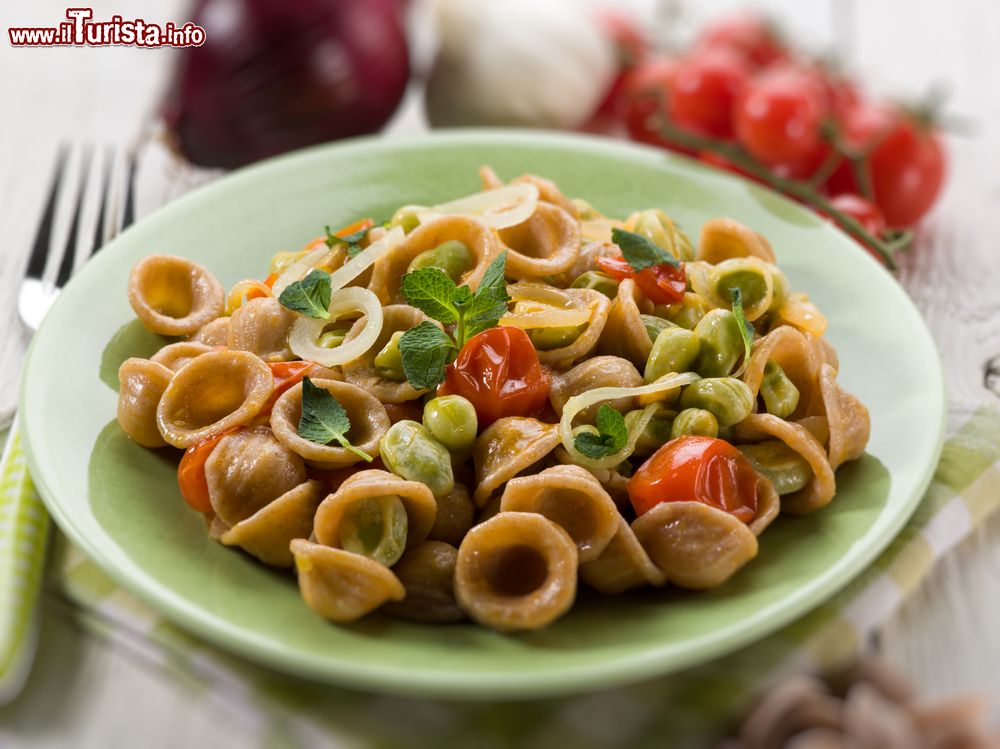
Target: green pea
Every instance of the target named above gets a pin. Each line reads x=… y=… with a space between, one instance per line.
x=674 y=350
x=729 y=399
x=547 y=339
x=655 y=435
x=451 y=419
x=780 y=395
x=738 y=273
x=655 y=325
x=695 y=421
x=375 y=527
x=720 y=343
x=597 y=281
x=453 y=257
x=656 y=226
x=775 y=460
x=685 y=313
x=406 y=217
x=409 y=450
x=333 y=337
x=389 y=361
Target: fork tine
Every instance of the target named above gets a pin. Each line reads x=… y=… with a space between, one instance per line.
x=69 y=252
x=107 y=164
x=40 y=250
x=128 y=215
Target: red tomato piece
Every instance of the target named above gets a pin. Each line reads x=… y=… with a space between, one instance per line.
x=907 y=172
x=191 y=471
x=697 y=469
x=499 y=372
x=645 y=91
x=269 y=281
x=705 y=88
x=661 y=284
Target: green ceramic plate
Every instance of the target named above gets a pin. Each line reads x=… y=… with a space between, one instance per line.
x=120 y=502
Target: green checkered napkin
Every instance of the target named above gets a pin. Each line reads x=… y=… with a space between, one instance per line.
x=681 y=710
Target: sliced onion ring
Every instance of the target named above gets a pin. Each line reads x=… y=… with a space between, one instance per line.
x=550 y=318
x=543 y=294
x=578 y=403
x=498 y=208
x=345 y=273
x=305 y=332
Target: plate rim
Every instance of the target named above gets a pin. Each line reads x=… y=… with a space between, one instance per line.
x=573 y=678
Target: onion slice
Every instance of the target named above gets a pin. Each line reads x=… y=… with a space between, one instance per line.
x=578 y=403
x=305 y=332
x=498 y=208
x=543 y=294
x=550 y=318
x=348 y=271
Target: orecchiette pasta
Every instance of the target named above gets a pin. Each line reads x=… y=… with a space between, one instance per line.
x=535 y=405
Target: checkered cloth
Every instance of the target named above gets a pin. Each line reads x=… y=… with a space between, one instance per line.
x=685 y=709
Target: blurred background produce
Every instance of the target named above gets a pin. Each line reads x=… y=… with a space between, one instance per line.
x=741 y=92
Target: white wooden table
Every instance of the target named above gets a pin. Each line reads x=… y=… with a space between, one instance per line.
x=86 y=694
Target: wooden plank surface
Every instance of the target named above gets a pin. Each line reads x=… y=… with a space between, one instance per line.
x=88 y=695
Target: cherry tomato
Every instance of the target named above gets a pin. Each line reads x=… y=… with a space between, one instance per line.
x=286 y=374
x=861 y=128
x=706 y=86
x=865 y=213
x=632 y=47
x=778 y=117
x=499 y=372
x=645 y=90
x=661 y=284
x=907 y=172
x=746 y=33
x=697 y=469
x=191 y=471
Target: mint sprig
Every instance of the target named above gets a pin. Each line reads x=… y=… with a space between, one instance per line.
x=324 y=420
x=310 y=296
x=746 y=330
x=611 y=437
x=426 y=349
x=639 y=252
x=351 y=240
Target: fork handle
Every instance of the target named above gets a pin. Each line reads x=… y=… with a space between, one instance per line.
x=24 y=530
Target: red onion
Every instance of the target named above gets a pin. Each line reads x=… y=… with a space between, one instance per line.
x=275 y=75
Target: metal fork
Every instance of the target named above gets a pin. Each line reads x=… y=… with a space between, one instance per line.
x=86 y=188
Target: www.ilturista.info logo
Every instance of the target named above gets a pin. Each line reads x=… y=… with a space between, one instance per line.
x=82 y=31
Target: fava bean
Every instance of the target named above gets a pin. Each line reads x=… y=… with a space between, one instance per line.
x=720 y=343
x=389 y=361
x=453 y=257
x=780 y=395
x=696 y=421
x=597 y=281
x=729 y=399
x=375 y=527
x=775 y=460
x=409 y=450
x=674 y=350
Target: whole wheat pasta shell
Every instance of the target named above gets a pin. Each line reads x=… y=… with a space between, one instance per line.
x=505 y=448
x=362 y=371
x=623 y=565
x=141 y=386
x=172 y=295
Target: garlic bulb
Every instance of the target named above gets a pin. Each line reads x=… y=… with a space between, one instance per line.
x=529 y=63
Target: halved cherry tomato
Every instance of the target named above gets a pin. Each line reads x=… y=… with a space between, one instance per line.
x=191 y=471
x=286 y=375
x=661 y=284
x=697 y=469
x=499 y=372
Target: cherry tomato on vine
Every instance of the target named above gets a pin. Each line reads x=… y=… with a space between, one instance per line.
x=646 y=89
x=661 y=284
x=499 y=372
x=191 y=471
x=697 y=469
x=706 y=85
x=778 y=117
x=861 y=128
x=907 y=172
x=746 y=33
x=632 y=48
x=865 y=213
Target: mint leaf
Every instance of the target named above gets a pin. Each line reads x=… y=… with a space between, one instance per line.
x=611 y=437
x=490 y=301
x=611 y=425
x=746 y=330
x=332 y=239
x=310 y=296
x=426 y=351
x=324 y=420
x=431 y=291
x=639 y=252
